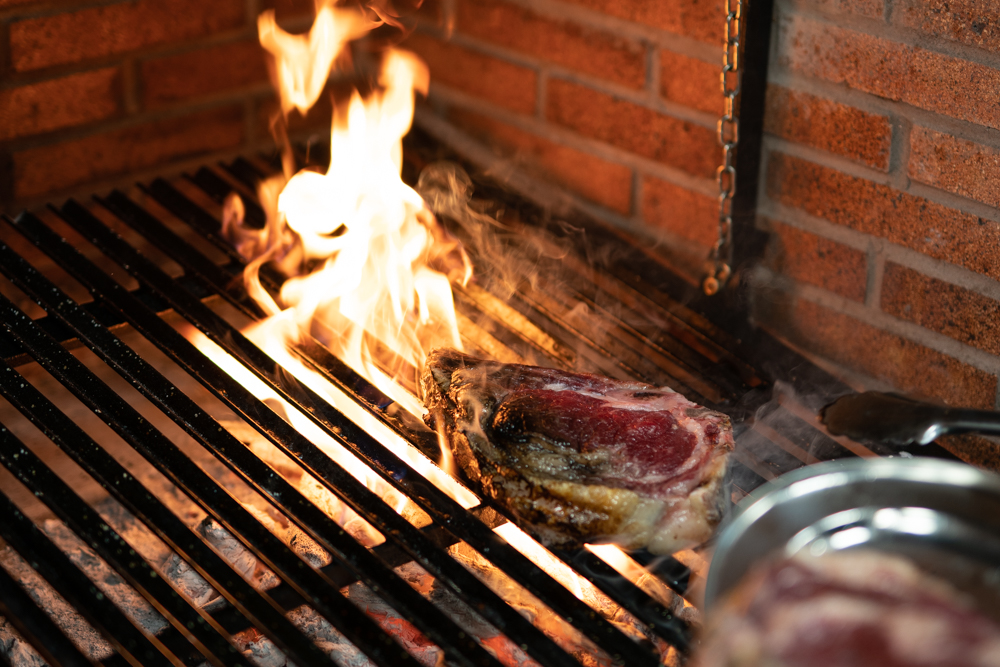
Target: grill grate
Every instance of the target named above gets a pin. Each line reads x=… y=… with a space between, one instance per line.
x=652 y=337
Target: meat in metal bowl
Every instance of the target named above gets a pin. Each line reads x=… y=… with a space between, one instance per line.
x=942 y=515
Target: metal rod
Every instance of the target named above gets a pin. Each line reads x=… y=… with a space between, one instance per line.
x=35 y=625
x=114 y=550
x=442 y=508
x=240 y=460
x=73 y=585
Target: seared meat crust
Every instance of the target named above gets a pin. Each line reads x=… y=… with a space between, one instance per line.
x=577 y=458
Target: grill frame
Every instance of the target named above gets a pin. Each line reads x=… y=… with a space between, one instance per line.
x=113 y=305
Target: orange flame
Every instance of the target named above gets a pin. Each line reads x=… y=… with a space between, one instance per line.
x=380 y=264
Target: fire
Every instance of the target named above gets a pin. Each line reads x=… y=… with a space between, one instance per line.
x=369 y=266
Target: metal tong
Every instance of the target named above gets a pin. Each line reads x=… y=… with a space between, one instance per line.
x=897 y=420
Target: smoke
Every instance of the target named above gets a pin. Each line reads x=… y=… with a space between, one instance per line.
x=779 y=431
x=505 y=260
x=533 y=263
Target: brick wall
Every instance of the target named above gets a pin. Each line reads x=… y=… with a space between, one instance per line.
x=881 y=161
x=882 y=188
x=615 y=101
x=881 y=181
x=96 y=93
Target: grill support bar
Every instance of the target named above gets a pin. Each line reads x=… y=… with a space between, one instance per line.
x=603 y=576
x=226 y=510
x=442 y=508
x=232 y=453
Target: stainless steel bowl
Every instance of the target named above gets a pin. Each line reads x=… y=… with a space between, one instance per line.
x=942 y=514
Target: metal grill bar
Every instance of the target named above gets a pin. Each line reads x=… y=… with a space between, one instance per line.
x=110 y=546
x=606 y=578
x=72 y=584
x=441 y=508
x=54 y=646
x=226 y=510
x=233 y=454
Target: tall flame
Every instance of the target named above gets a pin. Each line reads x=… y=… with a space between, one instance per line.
x=369 y=265
x=369 y=270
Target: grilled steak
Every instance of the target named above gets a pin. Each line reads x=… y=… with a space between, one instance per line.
x=858 y=608
x=578 y=458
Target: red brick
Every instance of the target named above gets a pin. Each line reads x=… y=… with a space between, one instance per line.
x=817 y=261
x=974 y=449
x=932 y=81
x=909 y=366
x=956 y=165
x=974 y=22
x=118 y=28
x=870 y=8
x=633 y=128
x=51 y=105
x=600 y=181
x=828 y=126
x=948 y=309
x=691 y=82
x=432 y=12
x=210 y=71
x=56 y=167
x=684 y=213
x=582 y=49
x=290 y=10
x=506 y=85
x=914 y=222
x=703 y=20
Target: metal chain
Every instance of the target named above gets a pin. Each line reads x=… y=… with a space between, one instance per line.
x=720 y=260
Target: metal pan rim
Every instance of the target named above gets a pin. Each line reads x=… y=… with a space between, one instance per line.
x=782 y=508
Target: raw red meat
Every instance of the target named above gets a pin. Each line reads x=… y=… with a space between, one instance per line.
x=578 y=458
x=850 y=609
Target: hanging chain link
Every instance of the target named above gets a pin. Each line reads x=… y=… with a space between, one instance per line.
x=720 y=260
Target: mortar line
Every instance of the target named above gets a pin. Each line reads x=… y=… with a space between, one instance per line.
x=653 y=72
x=898 y=254
x=568 y=138
x=912 y=332
x=876 y=273
x=899 y=153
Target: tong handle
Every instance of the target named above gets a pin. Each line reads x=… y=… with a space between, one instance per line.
x=965 y=420
x=877 y=416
